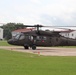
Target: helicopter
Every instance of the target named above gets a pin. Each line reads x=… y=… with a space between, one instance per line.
x=34 y=38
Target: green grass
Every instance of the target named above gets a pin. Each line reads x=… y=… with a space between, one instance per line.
x=4 y=43
x=17 y=63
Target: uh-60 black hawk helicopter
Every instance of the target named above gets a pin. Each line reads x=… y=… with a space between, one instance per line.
x=39 y=37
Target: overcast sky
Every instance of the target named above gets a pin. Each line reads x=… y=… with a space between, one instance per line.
x=46 y=12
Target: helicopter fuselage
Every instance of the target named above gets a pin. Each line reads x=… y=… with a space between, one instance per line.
x=41 y=38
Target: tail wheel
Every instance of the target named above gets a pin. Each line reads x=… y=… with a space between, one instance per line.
x=26 y=47
x=34 y=47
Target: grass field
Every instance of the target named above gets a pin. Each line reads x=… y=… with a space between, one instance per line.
x=16 y=63
x=4 y=43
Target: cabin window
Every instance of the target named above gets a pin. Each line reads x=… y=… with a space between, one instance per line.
x=44 y=38
x=38 y=38
x=31 y=37
x=41 y=38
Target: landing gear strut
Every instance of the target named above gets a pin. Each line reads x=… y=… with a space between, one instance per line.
x=26 y=47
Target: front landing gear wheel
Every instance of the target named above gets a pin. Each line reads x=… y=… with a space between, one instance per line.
x=26 y=47
x=34 y=47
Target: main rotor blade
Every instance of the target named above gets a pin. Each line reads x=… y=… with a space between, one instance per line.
x=38 y=25
x=55 y=27
x=29 y=26
x=59 y=26
x=34 y=25
x=62 y=27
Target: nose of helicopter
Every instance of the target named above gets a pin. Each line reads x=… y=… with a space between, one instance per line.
x=10 y=41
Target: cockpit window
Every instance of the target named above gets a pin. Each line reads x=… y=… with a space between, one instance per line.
x=21 y=37
x=17 y=36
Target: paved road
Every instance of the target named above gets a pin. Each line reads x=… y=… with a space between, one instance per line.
x=47 y=51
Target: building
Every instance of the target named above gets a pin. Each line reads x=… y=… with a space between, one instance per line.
x=1 y=34
x=69 y=34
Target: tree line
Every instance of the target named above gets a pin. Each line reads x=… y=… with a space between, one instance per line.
x=9 y=27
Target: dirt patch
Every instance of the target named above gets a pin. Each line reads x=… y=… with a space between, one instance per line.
x=47 y=51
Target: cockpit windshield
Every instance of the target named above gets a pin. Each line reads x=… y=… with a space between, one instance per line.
x=22 y=37
x=17 y=36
